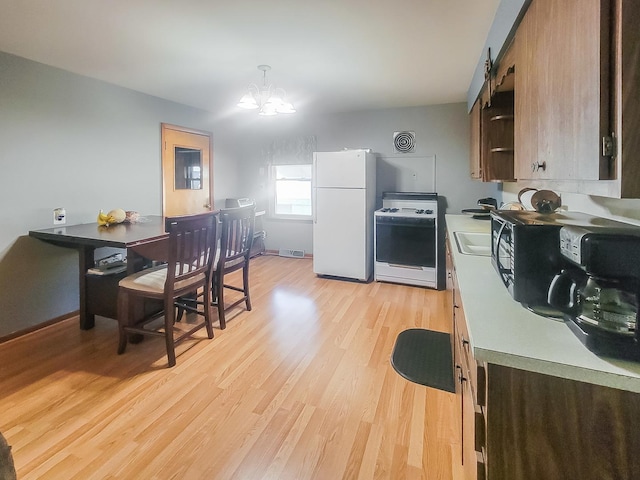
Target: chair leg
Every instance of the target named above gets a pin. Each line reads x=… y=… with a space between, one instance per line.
x=123 y=319
x=245 y=285
x=207 y=310
x=220 y=297
x=169 y=320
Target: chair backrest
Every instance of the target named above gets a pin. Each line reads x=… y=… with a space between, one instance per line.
x=191 y=246
x=237 y=236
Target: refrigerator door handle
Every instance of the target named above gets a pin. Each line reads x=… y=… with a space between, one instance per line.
x=314 y=210
x=314 y=169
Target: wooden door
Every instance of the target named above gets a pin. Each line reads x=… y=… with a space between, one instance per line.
x=187 y=171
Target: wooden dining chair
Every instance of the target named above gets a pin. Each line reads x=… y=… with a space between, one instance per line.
x=236 y=238
x=191 y=244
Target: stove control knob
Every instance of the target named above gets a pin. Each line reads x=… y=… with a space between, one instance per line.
x=429 y=211
x=419 y=211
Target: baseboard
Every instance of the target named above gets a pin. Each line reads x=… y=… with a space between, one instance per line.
x=39 y=326
x=277 y=253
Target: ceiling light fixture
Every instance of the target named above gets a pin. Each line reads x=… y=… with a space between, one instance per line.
x=268 y=99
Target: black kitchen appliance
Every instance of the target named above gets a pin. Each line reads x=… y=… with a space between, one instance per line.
x=525 y=251
x=599 y=290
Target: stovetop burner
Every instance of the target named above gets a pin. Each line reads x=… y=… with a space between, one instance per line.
x=410 y=210
x=409 y=204
x=406 y=212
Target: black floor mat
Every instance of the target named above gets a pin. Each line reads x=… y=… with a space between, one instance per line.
x=424 y=356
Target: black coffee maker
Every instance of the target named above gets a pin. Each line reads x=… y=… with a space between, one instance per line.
x=599 y=289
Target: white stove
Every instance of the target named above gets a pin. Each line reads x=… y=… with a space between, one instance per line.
x=406 y=239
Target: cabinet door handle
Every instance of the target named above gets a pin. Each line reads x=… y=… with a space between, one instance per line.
x=536 y=166
x=461 y=377
x=465 y=342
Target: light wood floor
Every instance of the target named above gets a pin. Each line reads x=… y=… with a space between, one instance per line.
x=298 y=388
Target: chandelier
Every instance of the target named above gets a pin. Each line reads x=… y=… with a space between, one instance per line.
x=268 y=99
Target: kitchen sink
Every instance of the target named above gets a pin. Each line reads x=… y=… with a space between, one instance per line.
x=473 y=243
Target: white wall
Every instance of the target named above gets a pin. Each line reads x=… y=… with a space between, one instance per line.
x=441 y=131
x=74 y=142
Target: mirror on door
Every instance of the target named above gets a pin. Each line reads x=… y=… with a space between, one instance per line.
x=188 y=169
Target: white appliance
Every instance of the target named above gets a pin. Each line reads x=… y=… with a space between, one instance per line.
x=406 y=239
x=344 y=197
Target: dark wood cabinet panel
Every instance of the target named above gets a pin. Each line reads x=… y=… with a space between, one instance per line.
x=543 y=427
x=627 y=107
x=491 y=157
x=497 y=151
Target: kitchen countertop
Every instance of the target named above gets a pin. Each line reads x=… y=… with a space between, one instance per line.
x=503 y=332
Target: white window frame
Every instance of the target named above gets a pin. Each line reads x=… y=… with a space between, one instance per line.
x=272 y=199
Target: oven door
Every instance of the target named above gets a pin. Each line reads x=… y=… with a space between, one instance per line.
x=406 y=241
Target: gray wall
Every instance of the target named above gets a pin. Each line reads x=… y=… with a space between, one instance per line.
x=441 y=131
x=507 y=17
x=74 y=142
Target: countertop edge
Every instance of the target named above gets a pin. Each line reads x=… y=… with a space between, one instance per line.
x=503 y=332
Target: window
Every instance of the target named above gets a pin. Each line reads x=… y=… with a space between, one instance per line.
x=291 y=191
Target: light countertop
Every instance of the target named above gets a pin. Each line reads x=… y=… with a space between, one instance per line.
x=503 y=332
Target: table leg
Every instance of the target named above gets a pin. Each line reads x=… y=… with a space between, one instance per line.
x=86 y=261
x=134 y=264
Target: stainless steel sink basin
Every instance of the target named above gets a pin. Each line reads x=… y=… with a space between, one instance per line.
x=473 y=243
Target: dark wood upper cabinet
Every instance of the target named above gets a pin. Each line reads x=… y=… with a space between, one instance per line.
x=573 y=68
x=577 y=78
x=562 y=94
x=497 y=149
x=492 y=125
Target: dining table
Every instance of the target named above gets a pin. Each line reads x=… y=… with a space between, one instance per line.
x=145 y=241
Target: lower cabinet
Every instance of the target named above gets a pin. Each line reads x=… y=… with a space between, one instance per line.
x=522 y=425
x=470 y=386
x=544 y=427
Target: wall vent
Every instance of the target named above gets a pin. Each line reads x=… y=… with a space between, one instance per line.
x=404 y=142
x=283 y=252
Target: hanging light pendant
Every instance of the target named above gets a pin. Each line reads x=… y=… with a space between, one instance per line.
x=266 y=98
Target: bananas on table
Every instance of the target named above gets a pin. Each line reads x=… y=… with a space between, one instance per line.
x=114 y=216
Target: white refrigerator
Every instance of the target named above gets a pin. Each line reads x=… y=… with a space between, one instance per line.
x=344 y=197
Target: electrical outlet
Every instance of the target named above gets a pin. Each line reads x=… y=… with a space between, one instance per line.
x=59 y=216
